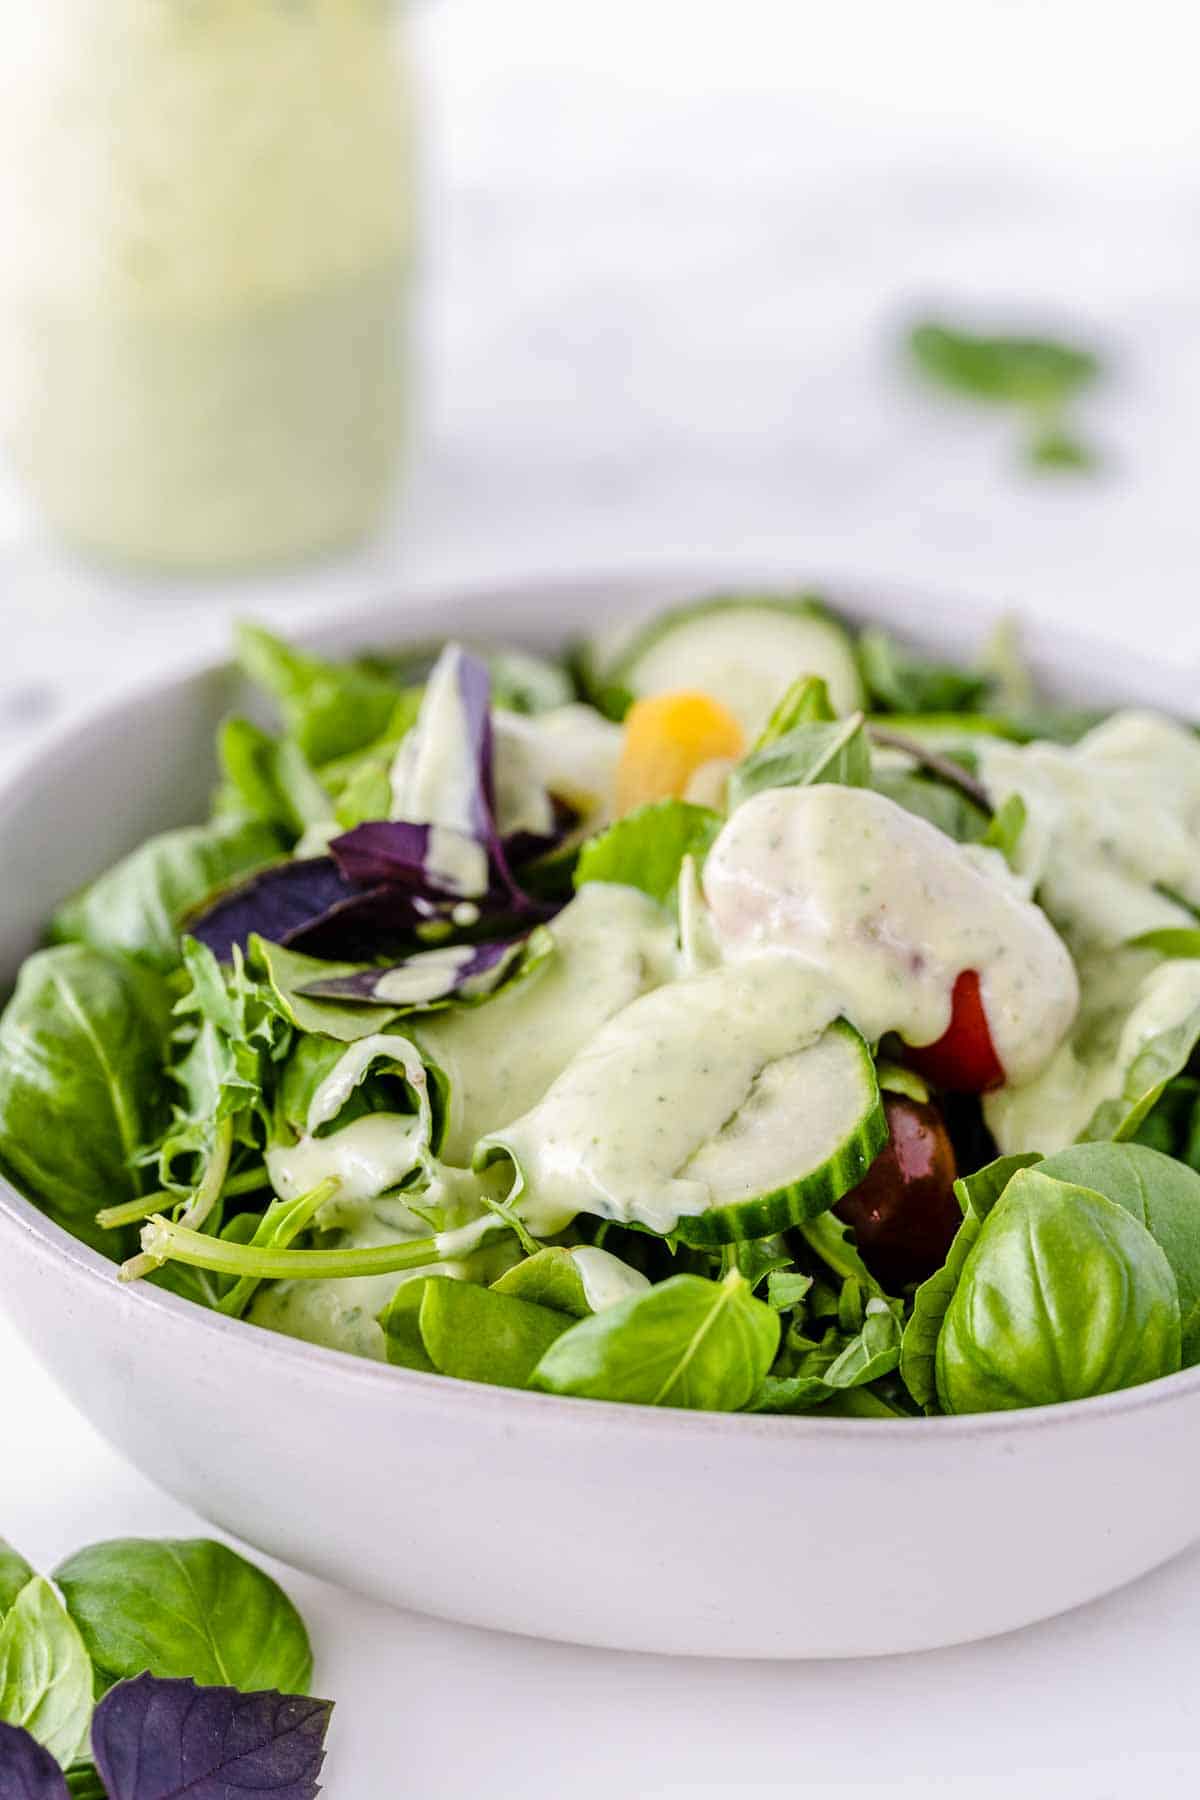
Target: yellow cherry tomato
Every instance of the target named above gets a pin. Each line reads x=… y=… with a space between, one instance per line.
x=667 y=738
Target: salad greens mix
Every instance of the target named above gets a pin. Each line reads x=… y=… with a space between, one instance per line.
x=747 y=1014
x=147 y=1668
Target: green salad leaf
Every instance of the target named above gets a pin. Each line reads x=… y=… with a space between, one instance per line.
x=269 y=779
x=1015 y=370
x=139 y=907
x=900 y=681
x=330 y=709
x=804 y=756
x=1063 y=1295
x=806 y=702
x=82 y=1045
x=286 y=972
x=646 y=849
x=14 y=1573
x=478 y=1334
x=184 y=1607
x=45 y=1672
x=687 y=1342
x=551 y=1278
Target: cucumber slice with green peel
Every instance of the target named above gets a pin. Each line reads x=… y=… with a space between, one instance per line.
x=744 y=650
x=807 y=1133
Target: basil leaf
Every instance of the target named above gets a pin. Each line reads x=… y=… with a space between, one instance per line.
x=185 y=1606
x=806 y=702
x=873 y=1351
x=477 y=1334
x=551 y=1278
x=900 y=681
x=687 y=1342
x=45 y=1672
x=162 y=1740
x=268 y=779
x=1062 y=1296
x=401 y=1324
x=804 y=756
x=1160 y=1058
x=14 y=1573
x=82 y=1045
x=27 y=1771
x=790 y=1394
x=1161 y=1194
x=786 y=1289
x=977 y=1194
x=330 y=709
x=646 y=848
x=1022 y=371
x=138 y=907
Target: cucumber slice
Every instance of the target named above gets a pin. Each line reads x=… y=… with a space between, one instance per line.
x=743 y=650
x=807 y=1133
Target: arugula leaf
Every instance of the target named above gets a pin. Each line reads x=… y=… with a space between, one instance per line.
x=943 y=806
x=164 y=1740
x=27 y=1771
x=1026 y=371
x=184 y=1606
x=138 y=907
x=45 y=1671
x=803 y=756
x=288 y=972
x=687 y=1342
x=82 y=1045
x=330 y=709
x=14 y=1573
x=478 y=1334
x=268 y=779
x=646 y=849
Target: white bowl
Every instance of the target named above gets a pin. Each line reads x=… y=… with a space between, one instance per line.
x=601 y=1524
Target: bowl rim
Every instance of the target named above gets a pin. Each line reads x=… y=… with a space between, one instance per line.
x=338 y=625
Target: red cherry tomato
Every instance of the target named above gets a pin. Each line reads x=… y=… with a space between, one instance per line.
x=963 y=1060
x=904 y=1212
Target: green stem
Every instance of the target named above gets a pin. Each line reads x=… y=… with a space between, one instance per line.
x=163 y=1241
x=111 y=1218
x=279 y=1226
x=198 y=1207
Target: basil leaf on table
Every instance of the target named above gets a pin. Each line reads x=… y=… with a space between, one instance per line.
x=163 y=1740
x=138 y=907
x=477 y=1334
x=82 y=1047
x=45 y=1671
x=1062 y=1296
x=1020 y=370
x=330 y=709
x=804 y=756
x=14 y=1573
x=646 y=849
x=184 y=1607
x=29 y=1772
x=687 y=1342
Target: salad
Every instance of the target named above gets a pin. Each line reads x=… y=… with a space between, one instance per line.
x=745 y=1014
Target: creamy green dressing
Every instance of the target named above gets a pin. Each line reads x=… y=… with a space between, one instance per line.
x=373 y=1153
x=890 y=911
x=611 y=944
x=1109 y=823
x=613 y=1135
x=435 y=781
x=569 y=753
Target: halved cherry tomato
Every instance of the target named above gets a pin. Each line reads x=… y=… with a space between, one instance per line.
x=904 y=1212
x=963 y=1060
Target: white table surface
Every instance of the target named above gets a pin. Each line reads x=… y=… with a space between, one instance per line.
x=666 y=262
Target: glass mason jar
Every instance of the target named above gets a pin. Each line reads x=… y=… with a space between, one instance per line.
x=208 y=228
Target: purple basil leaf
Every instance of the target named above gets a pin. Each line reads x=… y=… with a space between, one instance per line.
x=276 y=903
x=159 y=1740
x=27 y=1771
x=426 y=978
x=396 y=853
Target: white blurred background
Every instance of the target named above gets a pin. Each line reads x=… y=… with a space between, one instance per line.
x=666 y=250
